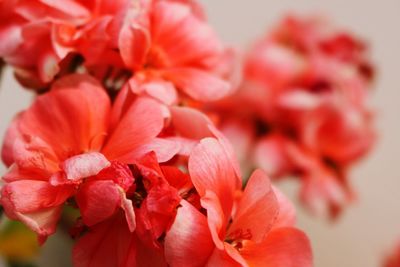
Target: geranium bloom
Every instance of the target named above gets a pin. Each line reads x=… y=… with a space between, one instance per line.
x=253 y=227
x=169 y=45
x=156 y=195
x=42 y=38
x=72 y=142
x=307 y=83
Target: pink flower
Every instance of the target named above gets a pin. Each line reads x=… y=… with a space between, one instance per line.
x=323 y=189
x=324 y=101
x=156 y=196
x=305 y=87
x=41 y=39
x=169 y=45
x=71 y=142
x=242 y=228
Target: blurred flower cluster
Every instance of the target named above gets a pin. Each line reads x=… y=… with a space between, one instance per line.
x=153 y=143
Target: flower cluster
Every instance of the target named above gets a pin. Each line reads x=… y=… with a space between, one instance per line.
x=166 y=44
x=136 y=108
x=302 y=109
x=117 y=165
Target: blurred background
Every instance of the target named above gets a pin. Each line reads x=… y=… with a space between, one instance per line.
x=366 y=231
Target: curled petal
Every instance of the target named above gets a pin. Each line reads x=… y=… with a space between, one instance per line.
x=36 y=203
x=84 y=165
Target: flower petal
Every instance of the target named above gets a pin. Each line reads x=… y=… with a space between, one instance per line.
x=76 y=114
x=141 y=123
x=97 y=201
x=35 y=203
x=257 y=210
x=199 y=84
x=189 y=225
x=107 y=244
x=134 y=43
x=283 y=247
x=211 y=169
x=84 y=165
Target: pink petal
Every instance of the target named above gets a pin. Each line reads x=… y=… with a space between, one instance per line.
x=217 y=220
x=77 y=114
x=189 y=225
x=271 y=155
x=97 y=201
x=107 y=244
x=36 y=203
x=287 y=211
x=283 y=247
x=84 y=165
x=31 y=195
x=12 y=133
x=222 y=258
x=165 y=149
x=186 y=39
x=211 y=169
x=257 y=210
x=134 y=43
x=127 y=206
x=141 y=123
x=158 y=89
x=190 y=123
x=43 y=222
x=198 y=84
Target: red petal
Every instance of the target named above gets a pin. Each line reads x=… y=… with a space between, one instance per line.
x=35 y=203
x=189 y=226
x=211 y=169
x=109 y=244
x=84 y=165
x=257 y=210
x=97 y=201
x=77 y=113
x=134 y=43
x=283 y=247
x=199 y=84
x=141 y=123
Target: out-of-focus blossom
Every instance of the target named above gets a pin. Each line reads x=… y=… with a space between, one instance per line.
x=161 y=45
x=168 y=45
x=253 y=227
x=70 y=142
x=305 y=84
x=41 y=39
x=393 y=260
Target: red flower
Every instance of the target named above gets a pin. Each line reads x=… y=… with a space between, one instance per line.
x=169 y=45
x=40 y=38
x=66 y=145
x=241 y=228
